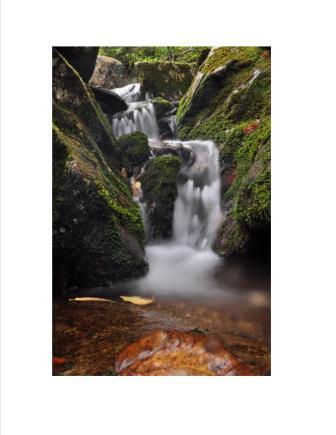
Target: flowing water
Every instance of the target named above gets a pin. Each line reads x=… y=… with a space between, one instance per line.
x=189 y=282
x=140 y=115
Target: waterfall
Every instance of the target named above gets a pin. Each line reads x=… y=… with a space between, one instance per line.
x=185 y=265
x=197 y=211
x=140 y=115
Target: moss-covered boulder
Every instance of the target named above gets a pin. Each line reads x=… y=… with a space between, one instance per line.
x=98 y=235
x=135 y=150
x=229 y=102
x=159 y=185
x=162 y=107
x=168 y=80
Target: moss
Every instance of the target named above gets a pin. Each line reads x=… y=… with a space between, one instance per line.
x=229 y=102
x=164 y=79
x=135 y=149
x=159 y=185
x=98 y=235
x=162 y=106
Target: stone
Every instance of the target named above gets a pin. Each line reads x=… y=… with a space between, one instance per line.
x=159 y=185
x=102 y=237
x=83 y=59
x=109 y=101
x=167 y=80
x=109 y=73
x=175 y=353
x=229 y=102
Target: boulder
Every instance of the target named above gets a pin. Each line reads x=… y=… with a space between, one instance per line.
x=159 y=185
x=229 y=102
x=83 y=59
x=175 y=353
x=167 y=80
x=109 y=101
x=135 y=150
x=98 y=235
x=109 y=73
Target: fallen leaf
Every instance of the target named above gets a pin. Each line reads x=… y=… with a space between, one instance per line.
x=58 y=360
x=137 y=300
x=89 y=299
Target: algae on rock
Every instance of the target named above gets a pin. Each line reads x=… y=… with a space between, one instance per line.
x=229 y=102
x=98 y=235
x=159 y=185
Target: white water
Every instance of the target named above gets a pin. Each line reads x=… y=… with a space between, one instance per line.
x=185 y=266
x=140 y=115
x=197 y=211
x=129 y=93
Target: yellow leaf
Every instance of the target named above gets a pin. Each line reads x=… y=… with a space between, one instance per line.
x=89 y=299
x=137 y=300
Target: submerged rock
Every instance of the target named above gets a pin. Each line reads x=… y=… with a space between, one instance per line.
x=159 y=185
x=229 y=102
x=98 y=235
x=175 y=353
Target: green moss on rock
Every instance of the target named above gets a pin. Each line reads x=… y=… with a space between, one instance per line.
x=229 y=102
x=159 y=185
x=168 y=80
x=135 y=150
x=98 y=235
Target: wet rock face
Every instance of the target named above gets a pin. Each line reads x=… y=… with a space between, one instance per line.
x=135 y=151
x=98 y=235
x=229 y=102
x=174 y=353
x=159 y=185
x=109 y=73
x=83 y=59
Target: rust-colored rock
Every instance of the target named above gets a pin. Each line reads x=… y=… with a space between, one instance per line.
x=175 y=353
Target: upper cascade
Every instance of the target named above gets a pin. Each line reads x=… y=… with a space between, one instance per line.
x=140 y=115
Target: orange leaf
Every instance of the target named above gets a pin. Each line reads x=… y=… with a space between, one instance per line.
x=56 y=360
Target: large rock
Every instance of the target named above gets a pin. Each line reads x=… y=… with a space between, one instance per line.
x=135 y=151
x=168 y=80
x=175 y=353
x=109 y=101
x=159 y=185
x=83 y=59
x=109 y=73
x=229 y=102
x=98 y=235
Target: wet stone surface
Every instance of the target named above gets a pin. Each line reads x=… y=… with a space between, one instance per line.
x=93 y=338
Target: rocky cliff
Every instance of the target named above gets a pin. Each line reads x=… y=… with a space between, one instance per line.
x=229 y=102
x=98 y=235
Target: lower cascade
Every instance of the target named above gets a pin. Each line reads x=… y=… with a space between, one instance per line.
x=197 y=207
